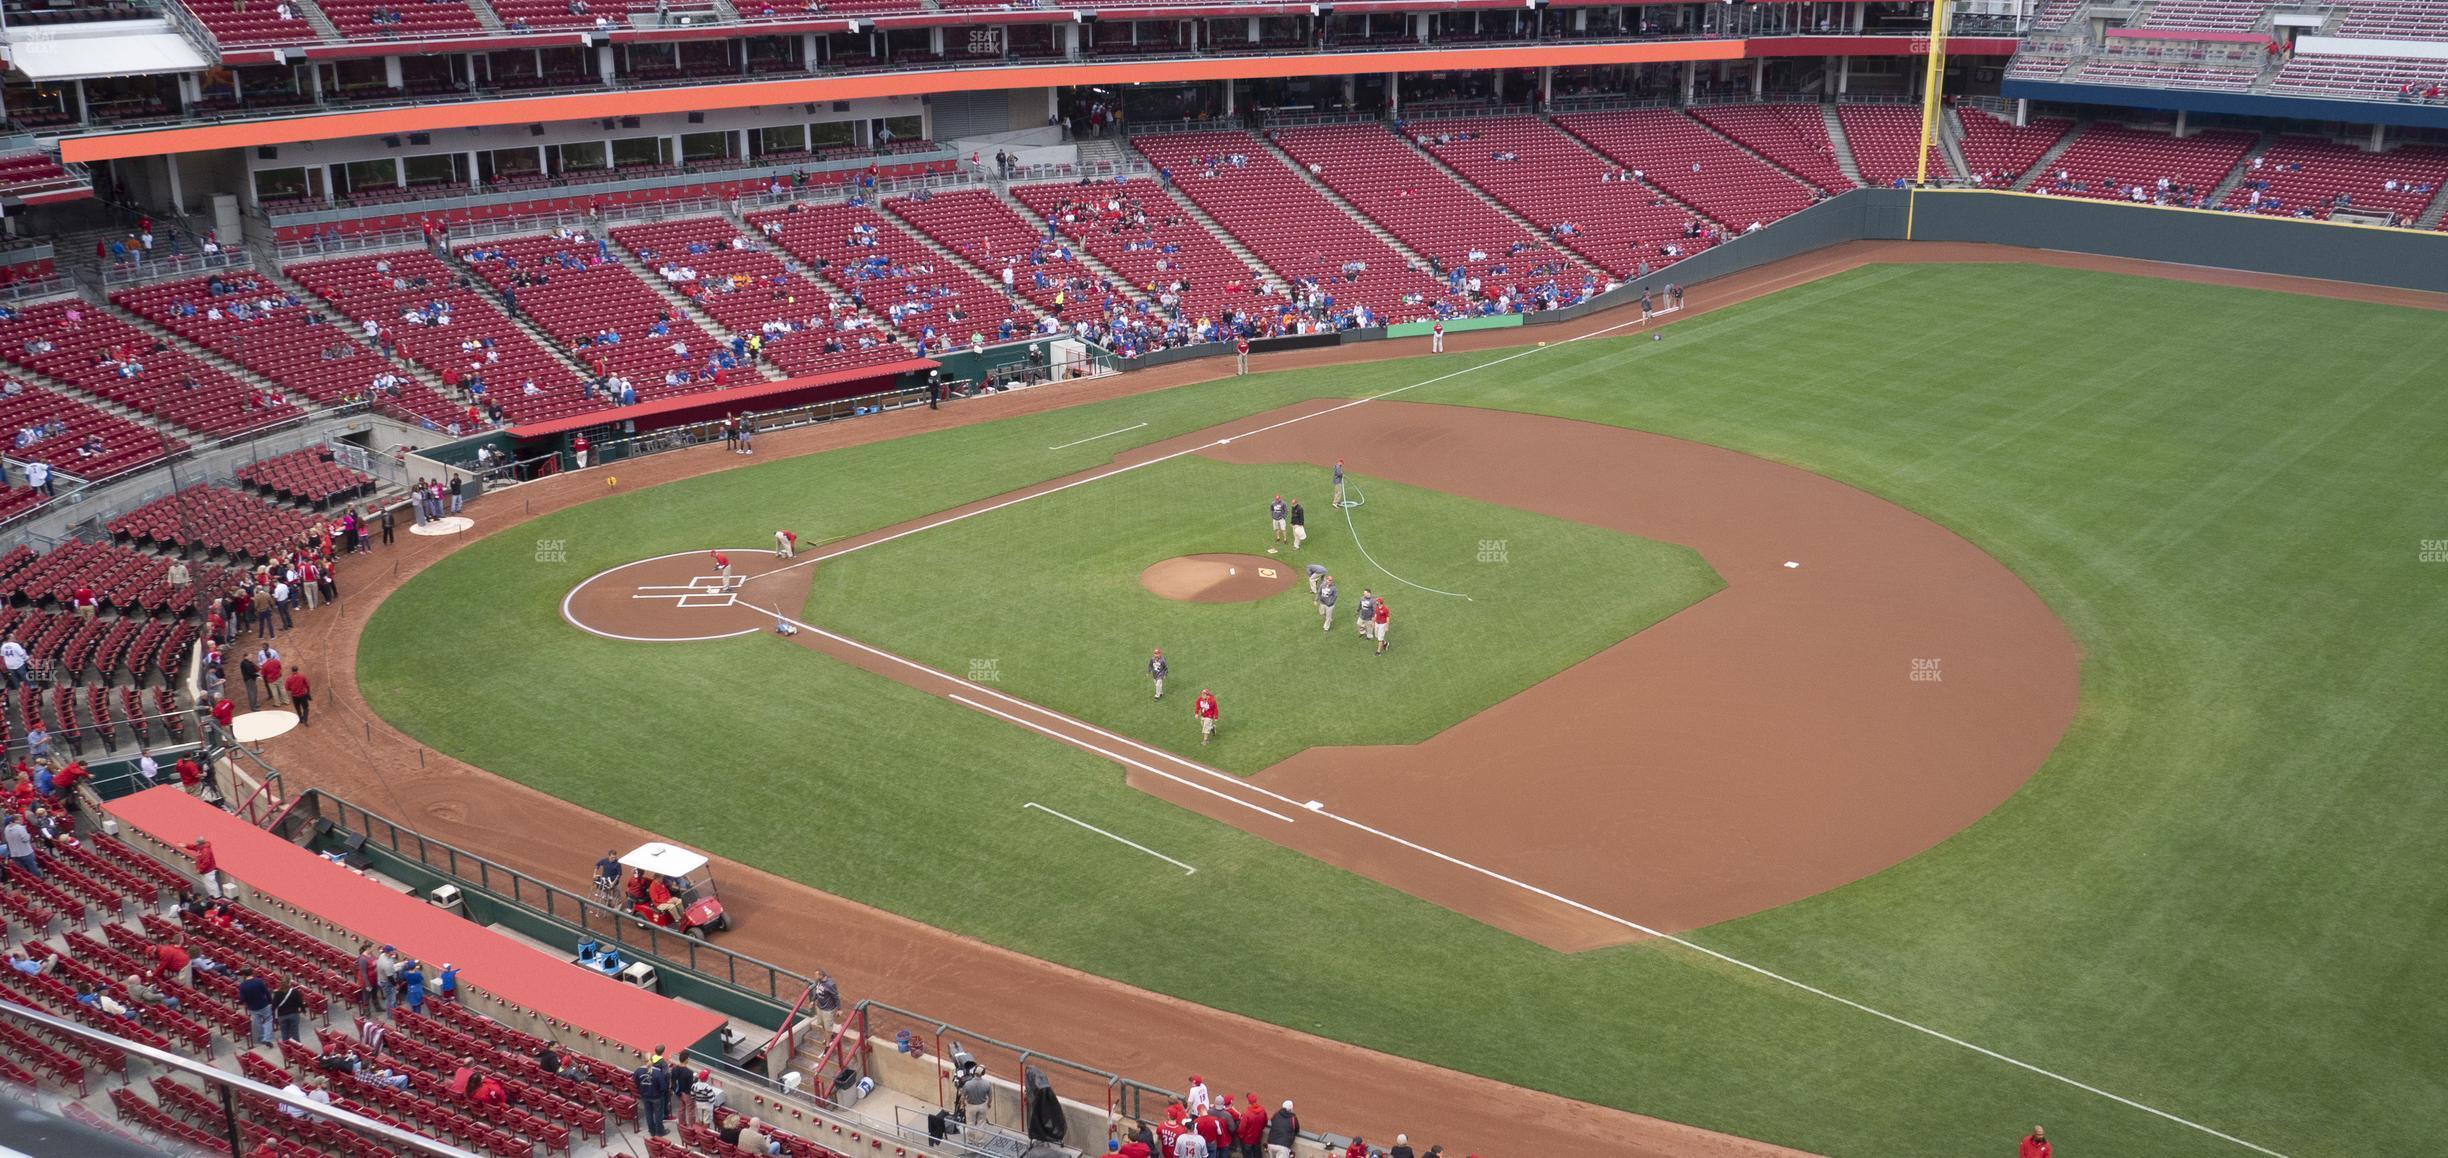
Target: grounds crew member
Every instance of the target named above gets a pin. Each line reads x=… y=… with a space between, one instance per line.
x=1326 y=602
x=1275 y=512
x=1157 y=670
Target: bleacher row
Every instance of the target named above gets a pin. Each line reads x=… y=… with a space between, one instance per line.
x=93 y=922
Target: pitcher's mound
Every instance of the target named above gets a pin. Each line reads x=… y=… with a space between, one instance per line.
x=1217 y=578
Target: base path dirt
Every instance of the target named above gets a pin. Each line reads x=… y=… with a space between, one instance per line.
x=1051 y=1007
x=1216 y=578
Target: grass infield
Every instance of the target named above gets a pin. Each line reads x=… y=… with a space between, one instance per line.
x=1069 y=564
x=2220 y=896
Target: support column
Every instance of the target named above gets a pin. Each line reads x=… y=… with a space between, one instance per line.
x=1228 y=98
x=85 y=112
x=1759 y=77
x=743 y=144
x=314 y=82
x=178 y=195
x=1423 y=28
x=329 y=196
x=1691 y=74
x=1351 y=90
x=467 y=61
x=2379 y=137
x=2022 y=116
x=1393 y=93
x=1581 y=19
x=543 y=165
x=671 y=150
x=237 y=86
x=1496 y=85
x=935 y=40
x=1547 y=86
x=1253 y=30
x=1844 y=75
x=1860 y=13
x=391 y=73
x=2180 y=124
x=475 y=173
x=603 y=62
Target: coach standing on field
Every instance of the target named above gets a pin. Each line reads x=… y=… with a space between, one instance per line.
x=1300 y=524
x=1326 y=602
x=1205 y=710
x=1275 y=513
x=1157 y=670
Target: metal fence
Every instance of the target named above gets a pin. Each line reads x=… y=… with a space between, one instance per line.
x=582 y=915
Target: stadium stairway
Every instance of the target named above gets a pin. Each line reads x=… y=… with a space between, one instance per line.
x=686 y=308
x=923 y=238
x=1108 y=151
x=1079 y=253
x=2432 y=213
x=486 y=17
x=1756 y=155
x=2048 y=159
x=478 y=286
x=199 y=353
x=1232 y=245
x=318 y=20
x=1950 y=143
x=1844 y=148
x=1451 y=174
x=1645 y=182
x=271 y=271
x=2218 y=196
x=1349 y=210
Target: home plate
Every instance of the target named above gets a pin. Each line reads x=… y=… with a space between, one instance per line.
x=1790 y=563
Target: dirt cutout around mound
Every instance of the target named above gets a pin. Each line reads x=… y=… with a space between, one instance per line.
x=991 y=990
x=1216 y=578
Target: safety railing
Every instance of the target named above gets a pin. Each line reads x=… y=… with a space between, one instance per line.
x=579 y=914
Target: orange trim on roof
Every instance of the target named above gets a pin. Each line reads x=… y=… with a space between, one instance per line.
x=911 y=82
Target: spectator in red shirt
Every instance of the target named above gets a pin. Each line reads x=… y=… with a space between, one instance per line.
x=170 y=962
x=2035 y=1144
x=270 y=668
x=301 y=693
x=1253 y=1124
x=1216 y=1132
x=223 y=712
x=190 y=774
x=208 y=867
x=84 y=602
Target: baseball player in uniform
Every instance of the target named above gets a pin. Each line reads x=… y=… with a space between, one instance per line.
x=1436 y=336
x=1275 y=511
x=1205 y=709
x=1300 y=524
x=1326 y=600
x=1157 y=670
x=786 y=544
x=722 y=569
x=1384 y=615
x=1240 y=356
x=1367 y=619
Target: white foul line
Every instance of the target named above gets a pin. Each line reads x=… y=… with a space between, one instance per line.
x=1669 y=938
x=1093 y=438
x=1116 y=757
x=1162 y=458
x=1187 y=870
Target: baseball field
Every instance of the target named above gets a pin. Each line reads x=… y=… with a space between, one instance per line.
x=2080 y=771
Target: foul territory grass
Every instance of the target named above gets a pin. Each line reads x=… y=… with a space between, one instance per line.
x=1046 y=601
x=2219 y=897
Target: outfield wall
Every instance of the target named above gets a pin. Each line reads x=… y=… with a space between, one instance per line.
x=2365 y=254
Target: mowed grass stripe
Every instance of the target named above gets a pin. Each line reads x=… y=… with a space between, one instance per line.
x=2217 y=897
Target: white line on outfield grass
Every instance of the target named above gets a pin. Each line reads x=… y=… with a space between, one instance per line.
x=1491 y=874
x=1187 y=870
x=1084 y=441
x=947 y=520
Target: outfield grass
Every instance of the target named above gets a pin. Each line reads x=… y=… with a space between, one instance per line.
x=1071 y=563
x=2220 y=896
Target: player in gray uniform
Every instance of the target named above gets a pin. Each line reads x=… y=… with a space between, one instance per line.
x=1157 y=670
x=1275 y=512
x=1368 y=612
x=1317 y=573
x=1326 y=600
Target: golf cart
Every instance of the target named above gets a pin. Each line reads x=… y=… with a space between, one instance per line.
x=672 y=888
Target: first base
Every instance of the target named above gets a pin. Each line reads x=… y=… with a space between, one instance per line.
x=1270 y=550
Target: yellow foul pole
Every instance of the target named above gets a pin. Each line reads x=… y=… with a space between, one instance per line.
x=1933 y=87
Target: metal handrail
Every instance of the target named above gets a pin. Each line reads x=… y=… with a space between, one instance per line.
x=230 y=1083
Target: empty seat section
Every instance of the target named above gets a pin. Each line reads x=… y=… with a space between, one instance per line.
x=2116 y=163
x=88 y=347
x=2307 y=177
x=1794 y=136
x=1696 y=166
x=1886 y=142
x=1383 y=176
x=1998 y=152
x=1552 y=181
